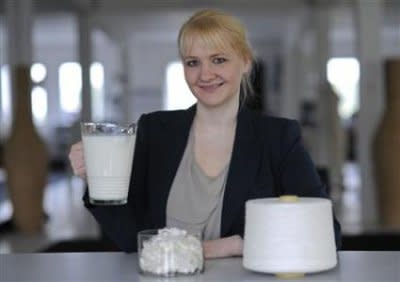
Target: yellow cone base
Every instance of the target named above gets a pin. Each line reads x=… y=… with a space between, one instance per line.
x=289 y=275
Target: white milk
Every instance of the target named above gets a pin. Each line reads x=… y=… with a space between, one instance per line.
x=108 y=162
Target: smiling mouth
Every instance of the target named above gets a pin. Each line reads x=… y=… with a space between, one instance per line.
x=211 y=87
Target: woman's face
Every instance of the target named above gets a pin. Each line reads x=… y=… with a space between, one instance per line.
x=213 y=75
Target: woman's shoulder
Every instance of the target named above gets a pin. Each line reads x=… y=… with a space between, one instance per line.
x=162 y=115
x=273 y=123
x=277 y=133
x=165 y=114
x=165 y=117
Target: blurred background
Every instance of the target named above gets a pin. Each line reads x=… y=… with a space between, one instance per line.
x=332 y=65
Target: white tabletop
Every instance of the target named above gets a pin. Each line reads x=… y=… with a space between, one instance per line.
x=54 y=267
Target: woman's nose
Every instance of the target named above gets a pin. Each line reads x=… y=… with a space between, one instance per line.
x=206 y=72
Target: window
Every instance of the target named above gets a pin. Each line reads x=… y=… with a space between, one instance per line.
x=344 y=75
x=97 y=83
x=70 y=83
x=39 y=93
x=38 y=96
x=177 y=94
x=5 y=111
x=38 y=73
x=39 y=104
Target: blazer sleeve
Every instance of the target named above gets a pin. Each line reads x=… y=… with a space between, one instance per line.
x=121 y=223
x=298 y=175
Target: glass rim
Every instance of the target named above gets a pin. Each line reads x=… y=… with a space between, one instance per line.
x=107 y=129
x=155 y=231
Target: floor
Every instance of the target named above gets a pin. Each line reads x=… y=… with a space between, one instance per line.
x=68 y=219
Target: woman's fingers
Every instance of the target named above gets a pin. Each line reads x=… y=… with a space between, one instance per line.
x=77 y=160
x=223 y=247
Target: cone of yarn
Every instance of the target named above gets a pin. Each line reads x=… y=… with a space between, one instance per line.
x=289 y=236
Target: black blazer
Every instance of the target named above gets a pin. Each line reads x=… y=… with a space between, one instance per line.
x=268 y=160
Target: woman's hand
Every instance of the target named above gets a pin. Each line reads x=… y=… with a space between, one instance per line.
x=224 y=247
x=77 y=160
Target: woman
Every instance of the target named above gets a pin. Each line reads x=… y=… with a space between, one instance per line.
x=196 y=168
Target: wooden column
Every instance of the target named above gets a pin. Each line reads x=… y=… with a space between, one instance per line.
x=25 y=153
x=386 y=152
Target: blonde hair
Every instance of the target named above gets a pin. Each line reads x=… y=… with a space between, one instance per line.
x=220 y=30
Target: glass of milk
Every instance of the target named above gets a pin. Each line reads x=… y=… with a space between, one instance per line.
x=108 y=152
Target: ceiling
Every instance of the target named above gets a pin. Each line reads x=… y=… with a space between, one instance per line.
x=138 y=6
x=135 y=5
x=161 y=19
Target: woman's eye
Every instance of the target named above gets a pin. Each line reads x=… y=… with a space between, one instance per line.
x=219 y=60
x=191 y=63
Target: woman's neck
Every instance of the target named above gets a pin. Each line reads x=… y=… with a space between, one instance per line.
x=221 y=116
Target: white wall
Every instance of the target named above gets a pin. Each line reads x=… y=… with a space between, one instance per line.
x=107 y=51
x=343 y=34
x=152 y=49
x=149 y=60
x=54 y=42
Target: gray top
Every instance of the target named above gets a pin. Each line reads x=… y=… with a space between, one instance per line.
x=121 y=267
x=195 y=199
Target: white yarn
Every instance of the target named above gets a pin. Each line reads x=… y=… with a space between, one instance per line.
x=171 y=251
x=289 y=237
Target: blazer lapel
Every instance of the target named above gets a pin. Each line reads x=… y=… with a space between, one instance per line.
x=242 y=170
